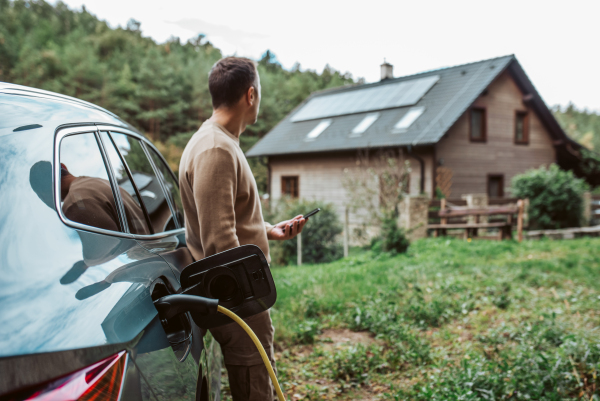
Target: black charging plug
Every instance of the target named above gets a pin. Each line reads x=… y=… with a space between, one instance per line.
x=172 y=305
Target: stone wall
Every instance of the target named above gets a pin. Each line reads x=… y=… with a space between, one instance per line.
x=413 y=216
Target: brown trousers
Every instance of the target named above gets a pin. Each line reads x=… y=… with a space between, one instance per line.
x=248 y=376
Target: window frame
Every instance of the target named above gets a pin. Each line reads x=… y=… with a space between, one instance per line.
x=525 y=114
x=489 y=179
x=59 y=137
x=483 y=138
x=297 y=178
x=62 y=133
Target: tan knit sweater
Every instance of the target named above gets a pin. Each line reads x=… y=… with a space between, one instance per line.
x=219 y=194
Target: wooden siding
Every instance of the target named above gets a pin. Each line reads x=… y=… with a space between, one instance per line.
x=472 y=162
x=321 y=176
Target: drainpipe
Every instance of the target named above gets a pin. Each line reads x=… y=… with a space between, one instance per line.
x=422 y=163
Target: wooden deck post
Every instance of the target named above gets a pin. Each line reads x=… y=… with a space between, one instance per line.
x=443 y=220
x=520 y=220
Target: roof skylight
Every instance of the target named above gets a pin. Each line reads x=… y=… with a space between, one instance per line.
x=364 y=124
x=408 y=119
x=322 y=126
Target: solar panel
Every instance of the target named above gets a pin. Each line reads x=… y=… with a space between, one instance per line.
x=399 y=94
x=322 y=126
x=406 y=121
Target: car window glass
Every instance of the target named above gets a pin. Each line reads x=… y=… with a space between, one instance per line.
x=170 y=183
x=146 y=181
x=86 y=194
x=136 y=219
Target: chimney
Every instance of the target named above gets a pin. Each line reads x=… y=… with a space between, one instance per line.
x=387 y=70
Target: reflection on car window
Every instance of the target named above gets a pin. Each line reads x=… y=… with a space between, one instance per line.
x=171 y=185
x=85 y=190
x=136 y=220
x=146 y=181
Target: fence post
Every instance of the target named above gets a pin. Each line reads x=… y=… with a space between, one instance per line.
x=346 y=234
x=443 y=220
x=587 y=208
x=299 y=239
x=520 y=205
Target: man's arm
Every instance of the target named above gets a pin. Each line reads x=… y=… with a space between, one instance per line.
x=214 y=184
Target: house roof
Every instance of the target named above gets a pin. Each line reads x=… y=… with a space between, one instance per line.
x=442 y=104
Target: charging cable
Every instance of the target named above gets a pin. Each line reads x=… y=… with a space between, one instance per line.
x=261 y=349
x=173 y=305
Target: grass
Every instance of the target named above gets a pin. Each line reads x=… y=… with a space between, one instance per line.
x=449 y=320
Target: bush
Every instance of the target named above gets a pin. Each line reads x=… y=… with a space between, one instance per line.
x=555 y=197
x=392 y=238
x=319 y=236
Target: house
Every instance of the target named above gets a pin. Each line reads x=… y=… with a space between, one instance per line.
x=465 y=129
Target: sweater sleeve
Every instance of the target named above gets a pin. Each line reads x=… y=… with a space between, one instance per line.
x=268 y=227
x=214 y=184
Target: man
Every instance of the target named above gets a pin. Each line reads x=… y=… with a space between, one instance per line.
x=222 y=210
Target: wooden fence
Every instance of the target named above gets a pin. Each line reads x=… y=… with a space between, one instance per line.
x=434 y=208
x=496 y=215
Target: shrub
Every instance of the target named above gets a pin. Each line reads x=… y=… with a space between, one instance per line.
x=555 y=197
x=319 y=236
x=393 y=238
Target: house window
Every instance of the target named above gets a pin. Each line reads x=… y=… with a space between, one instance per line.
x=495 y=186
x=364 y=124
x=477 y=125
x=407 y=120
x=289 y=186
x=318 y=130
x=522 y=128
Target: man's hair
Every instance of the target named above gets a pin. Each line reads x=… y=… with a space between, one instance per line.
x=229 y=79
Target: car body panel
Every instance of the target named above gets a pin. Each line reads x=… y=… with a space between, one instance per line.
x=73 y=295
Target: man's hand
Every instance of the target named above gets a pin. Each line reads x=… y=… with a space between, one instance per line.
x=287 y=229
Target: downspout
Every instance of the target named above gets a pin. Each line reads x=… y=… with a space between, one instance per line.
x=422 y=163
x=269 y=179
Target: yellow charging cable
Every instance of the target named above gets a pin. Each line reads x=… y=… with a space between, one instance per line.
x=261 y=349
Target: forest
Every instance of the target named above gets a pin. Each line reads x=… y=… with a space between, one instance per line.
x=162 y=88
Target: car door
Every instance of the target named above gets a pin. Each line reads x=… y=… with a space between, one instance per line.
x=164 y=236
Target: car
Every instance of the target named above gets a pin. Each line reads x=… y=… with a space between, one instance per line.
x=92 y=233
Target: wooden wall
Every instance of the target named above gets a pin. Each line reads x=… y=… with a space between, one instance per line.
x=321 y=175
x=471 y=162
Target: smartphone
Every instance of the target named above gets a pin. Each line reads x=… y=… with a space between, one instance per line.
x=317 y=210
x=306 y=216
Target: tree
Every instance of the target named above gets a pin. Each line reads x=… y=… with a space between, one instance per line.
x=160 y=88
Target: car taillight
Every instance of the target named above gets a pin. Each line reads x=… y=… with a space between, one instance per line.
x=100 y=381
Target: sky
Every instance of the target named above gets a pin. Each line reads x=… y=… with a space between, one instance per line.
x=556 y=42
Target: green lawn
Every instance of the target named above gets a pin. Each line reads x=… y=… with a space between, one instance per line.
x=450 y=320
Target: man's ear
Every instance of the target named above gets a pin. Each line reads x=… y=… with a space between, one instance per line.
x=251 y=96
